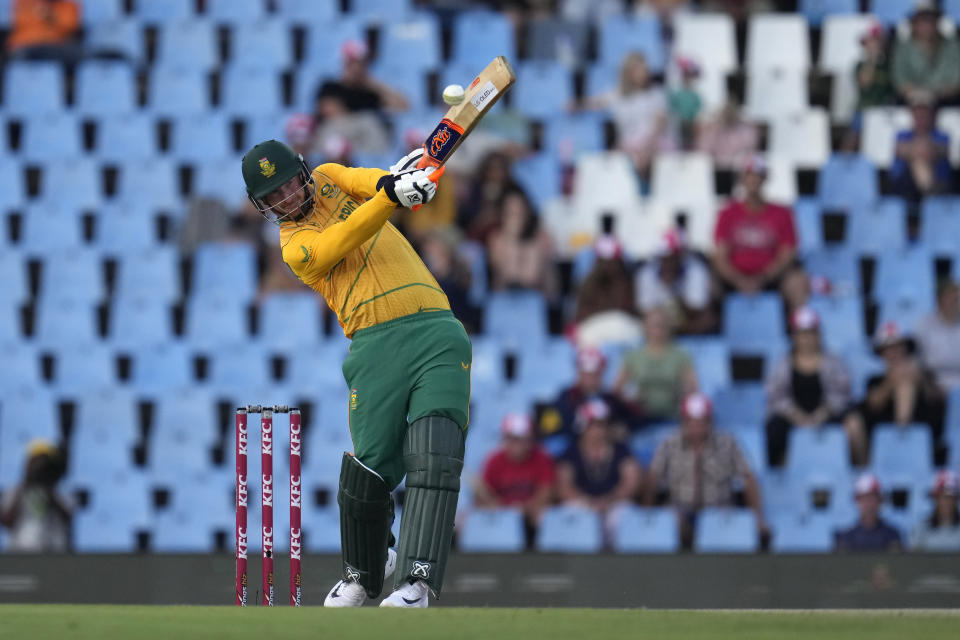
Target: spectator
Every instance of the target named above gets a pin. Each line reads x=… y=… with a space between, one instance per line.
x=658 y=375
x=519 y=474
x=520 y=249
x=806 y=389
x=927 y=65
x=607 y=286
x=872 y=72
x=685 y=103
x=939 y=337
x=559 y=418
x=871 y=532
x=727 y=137
x=921 y=166
x=679 y=282
x=795 y=289
x=479 y=214
x=700 y=467
x=45 y=29
x=639 y=109
x=941 y=531
x=756 y=240
x=905 y=393
x=597 y=471
x=37 y=516
x=438 y=248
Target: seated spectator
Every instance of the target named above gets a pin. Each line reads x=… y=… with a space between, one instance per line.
x=639 y=110
x=559 y=418
x=872 y=72
x=806 y=389
x=520 y=250
x=795 y=289
x=45 y=29
x=597 y=471
x=938 y=337
x=438 y=248
x=728 y=138
x=699 y=467
x=678 y=281
x=519 y=474
x=906 y=393
x=871 y=532
x=921 y=167
x=658 y=375
x=941 y=531
x=685 y=103
x=927 y=64
x=756 y=241
x=37 y=516
x=607 y=286
x=479 y=213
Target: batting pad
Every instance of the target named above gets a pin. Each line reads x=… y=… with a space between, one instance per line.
x=366 y=511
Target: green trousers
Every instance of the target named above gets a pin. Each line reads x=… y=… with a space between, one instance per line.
x=399 y=371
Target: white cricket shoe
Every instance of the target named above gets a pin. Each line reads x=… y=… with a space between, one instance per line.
x=347 y=593
x=409 y=596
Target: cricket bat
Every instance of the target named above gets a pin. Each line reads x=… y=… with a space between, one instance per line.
x=488 y=87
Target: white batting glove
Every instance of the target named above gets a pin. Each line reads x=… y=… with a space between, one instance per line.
x=411 y=189
x=407 y=162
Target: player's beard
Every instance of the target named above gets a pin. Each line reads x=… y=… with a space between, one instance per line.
x=301 y=213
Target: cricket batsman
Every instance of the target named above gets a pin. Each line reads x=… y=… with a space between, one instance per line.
x=408 y=369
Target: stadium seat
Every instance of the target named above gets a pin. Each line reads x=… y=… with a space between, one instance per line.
x=103 y=531
x=708 y=38
x=238 y=367
x=544 y=89
x=163 y=11
x=492 y=531
x=878 y=230
x=139 y=320
x=847 y=181
x=125 y=138
x=13 y=191
x=315 y=12
x=891 y=12
x=380 y=12
x=108 y=414
x=105 y=89
x=839 y=265
x=839 y=51
x=188 y=45
x=218 y=178
x=550 y=38
x=516 y=317
x=125 y=227
x=782 y=495
x=905 y=275
x=303 y=376
x=842 y=322
x=25 y=415
x=753 y=446
x=740 y=407
x=265 y=45
x=948 y=121
x=808 y=218
x=153 y=271
x=184 y=431
x=683 y=179
x=880 y=127
x=777 y=41
x=290 y=321
x=322 y=57
x=620 y=35
x=711 y=361
x=32 y=89
x=816 y=10
x=781 y=183
x=803 y=137
x=51 y=135
x=479 y=36
x=75 y=183
x=639 y=530
x=569 y=136
x=940 y=224
x=122 y=37
x=236 y=12
x=13 y=266
x=902 y=451
x=97 y=11
x=410 y=81
x=539 y=176
x=772 y=92
x=21 y=365
x=726 y=530
x=569 y=529
x=605 y=181
x=421 y=33
x=180 y=531
x=76 y=276
x=754 y=324
x=174 y=91
x=238 y=83
x=197 y=139
x=548 y=368
x=65 y=324
x=157 y=369
x=601 y=78
x=10 y=325
x=154 y=183
x=804 y=533
x=48 y=227
x=821 y=452
x=225 y=268
x=216 y=321
x=906 y=312
x=322 y=531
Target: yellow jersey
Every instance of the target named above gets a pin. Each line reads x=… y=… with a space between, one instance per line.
x=349 y=253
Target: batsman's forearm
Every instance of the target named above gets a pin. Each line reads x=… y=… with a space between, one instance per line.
x=356 y=181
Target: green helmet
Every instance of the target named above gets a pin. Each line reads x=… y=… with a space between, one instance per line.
x=269 y=165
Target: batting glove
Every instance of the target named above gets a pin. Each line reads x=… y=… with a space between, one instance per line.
x=411 y=189
x=407 y=162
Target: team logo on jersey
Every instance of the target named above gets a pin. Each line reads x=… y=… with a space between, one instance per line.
x=353 y=399
x=267 y=168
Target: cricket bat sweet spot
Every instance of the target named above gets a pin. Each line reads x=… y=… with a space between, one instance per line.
x=488 y=87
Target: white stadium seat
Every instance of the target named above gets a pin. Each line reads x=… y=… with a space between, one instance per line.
x=880 y=127
x=708 y=38
x=777 y=41
x=774 y=92
x=802 y=137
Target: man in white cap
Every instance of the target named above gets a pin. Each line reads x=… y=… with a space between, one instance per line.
x=871 y=532
x=941 y=531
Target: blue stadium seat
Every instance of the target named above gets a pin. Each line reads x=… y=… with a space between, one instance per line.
x=602 y=77
x=890 y=12
x=215 y=321
x=879 y=230
x=940 y=228
x=65 y=325
x=124 y=226
x=107 y=415
x=839 y=265
x=847 y=181
x=952 y=9
x=411 y=81
x=321 y=530
x=952 y=417
x=552 y=366
x=225 y=268
x=558 y=39
x=841 y=322
x=164 y=11
x=264 y=45
x=421 y=33
x=781 y=493
x=902 y=451
x=154 y=272
x=479 y=36
x=118 y=37
x=711 y=361
x=236 y=12
x=544 y=89
x=568 y=136
x=181 y=531
x=726 y=530
x=238 y=367
x=75 y=182
x=176 y=91
x=308 y=13
x=157 y=369
x=183 y=434
x=516 y=317
x=14 y=291
x=862 y=363
x=620 y=35
x=740 y=406
x=97 y=11
x=50 y=227
x=83 y=369
x=819 y=453
x=804 y=533
x=25 y=415
x=492 y=531
x=10 y=325
x=290 y=322
x=906 y=312
x=197 y=139
x=103 y=530
x=377 y=12
x=13 y=192
x=154 y=183
x=640 y=530
x=907 y=275
x=808 y=216
x=21 y=365
x=51 y=135
x=753 y=446
x=304 y=376
x=539 y=175
x=32 y=89
x=125 y=138
x=322 y=57
x=105 y=89
x=139 y=320
x=209 y=497
x=189 y=45
x=816 y=10
x=569 y=529
x=218 y=178
x=237 y=85
x=754 y=324
x=76 y=276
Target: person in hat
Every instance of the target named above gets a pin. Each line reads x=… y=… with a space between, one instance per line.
x=597 y=471
x=685 y=102
x=941 y=530
x=870 y=532
x=808 y=388
x=921 y=166
x=938 y=337
x=905 y=393
x=872 y=72
x=697 y=466
x=519 y=474
x=927 y=64
x=607 y=286
x=37 y=516
x=678 y=280
x=756 y=240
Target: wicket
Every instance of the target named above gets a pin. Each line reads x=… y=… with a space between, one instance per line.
x=266 y=503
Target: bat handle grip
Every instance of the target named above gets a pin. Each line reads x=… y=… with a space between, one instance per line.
x=426 y=160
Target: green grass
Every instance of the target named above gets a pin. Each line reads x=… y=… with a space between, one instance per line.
x=310 y=623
